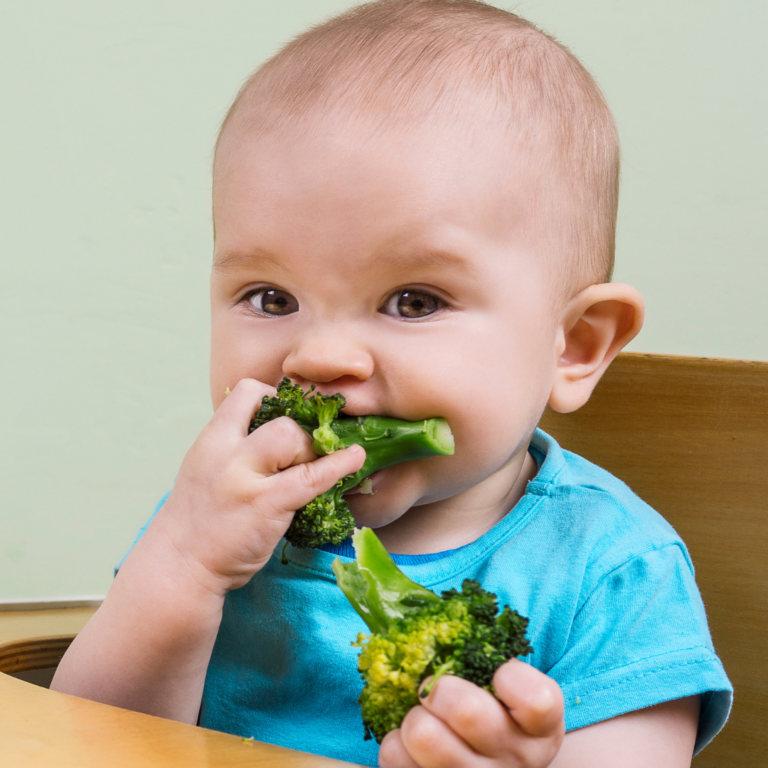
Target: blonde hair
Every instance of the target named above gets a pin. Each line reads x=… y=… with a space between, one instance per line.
x=412 y=61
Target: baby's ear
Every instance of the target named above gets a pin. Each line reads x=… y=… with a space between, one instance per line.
x=597 y=324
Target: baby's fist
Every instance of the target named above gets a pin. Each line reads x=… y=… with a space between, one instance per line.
x=236 y=492
x=460 y=724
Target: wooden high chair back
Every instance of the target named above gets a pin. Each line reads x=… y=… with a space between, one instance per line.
x=690 y=437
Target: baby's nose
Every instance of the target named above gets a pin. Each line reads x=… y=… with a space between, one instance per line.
x=320 y=358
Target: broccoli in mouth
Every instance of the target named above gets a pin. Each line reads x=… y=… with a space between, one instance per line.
x=386 y=441
x=415 y=634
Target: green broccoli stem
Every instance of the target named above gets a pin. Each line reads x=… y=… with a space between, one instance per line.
x=387 y=441
x=443 y=669
x=377 y=589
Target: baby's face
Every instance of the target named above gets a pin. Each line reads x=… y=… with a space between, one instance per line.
x=402 y=271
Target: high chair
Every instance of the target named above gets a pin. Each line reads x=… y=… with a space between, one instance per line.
x=689 y=435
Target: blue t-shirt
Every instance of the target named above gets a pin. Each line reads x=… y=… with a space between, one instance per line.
x=615 y=617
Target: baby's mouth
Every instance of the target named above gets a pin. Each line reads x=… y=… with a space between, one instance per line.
x=370 y=482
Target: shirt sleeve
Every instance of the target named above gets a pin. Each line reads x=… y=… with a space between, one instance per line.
x=142 y=530
x=641 y=638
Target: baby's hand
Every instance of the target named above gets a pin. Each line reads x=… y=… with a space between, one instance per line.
x=236 y=493
x=460 y=724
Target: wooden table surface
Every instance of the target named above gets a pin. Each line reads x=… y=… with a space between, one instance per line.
x=47 y=729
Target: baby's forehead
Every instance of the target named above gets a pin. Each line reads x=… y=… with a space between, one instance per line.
x=338 y=160
x=400 y=66
x=478 y=129
x=468 y=120
x=467 y=139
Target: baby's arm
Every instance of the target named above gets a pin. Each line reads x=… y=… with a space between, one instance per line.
x=147 y=647
x=657 y=737
x=460 y=725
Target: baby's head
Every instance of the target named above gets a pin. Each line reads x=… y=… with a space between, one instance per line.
x=415 y=204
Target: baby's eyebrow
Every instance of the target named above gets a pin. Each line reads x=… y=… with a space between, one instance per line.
x=421 y=259
x=427 y=258
x=239 y=259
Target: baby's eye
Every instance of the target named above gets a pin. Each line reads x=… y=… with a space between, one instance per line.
x=412 y=304
x=273 y=301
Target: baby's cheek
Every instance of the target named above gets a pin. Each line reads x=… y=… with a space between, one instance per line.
x=495 y=429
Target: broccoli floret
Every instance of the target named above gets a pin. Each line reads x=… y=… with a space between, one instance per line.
x=325 y=519
x=308 y=410
x=415 y=634
x=386 y=441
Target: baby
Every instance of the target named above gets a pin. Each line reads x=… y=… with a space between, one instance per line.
x=414 y=205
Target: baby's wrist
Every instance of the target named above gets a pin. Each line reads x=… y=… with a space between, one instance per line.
x=174 y=570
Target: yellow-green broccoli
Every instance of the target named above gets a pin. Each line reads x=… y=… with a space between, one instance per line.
x=415 y=634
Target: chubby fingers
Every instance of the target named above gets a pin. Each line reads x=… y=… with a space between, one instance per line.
x=299 y=484
x=473 y=714
x=393 y=753
x=275 y=445
x=425 y=741
x=280 y=450
x=483 y=726
x=534 y=700
x=234 y=415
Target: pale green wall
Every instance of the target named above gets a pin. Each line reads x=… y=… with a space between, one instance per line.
x=109 y=112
